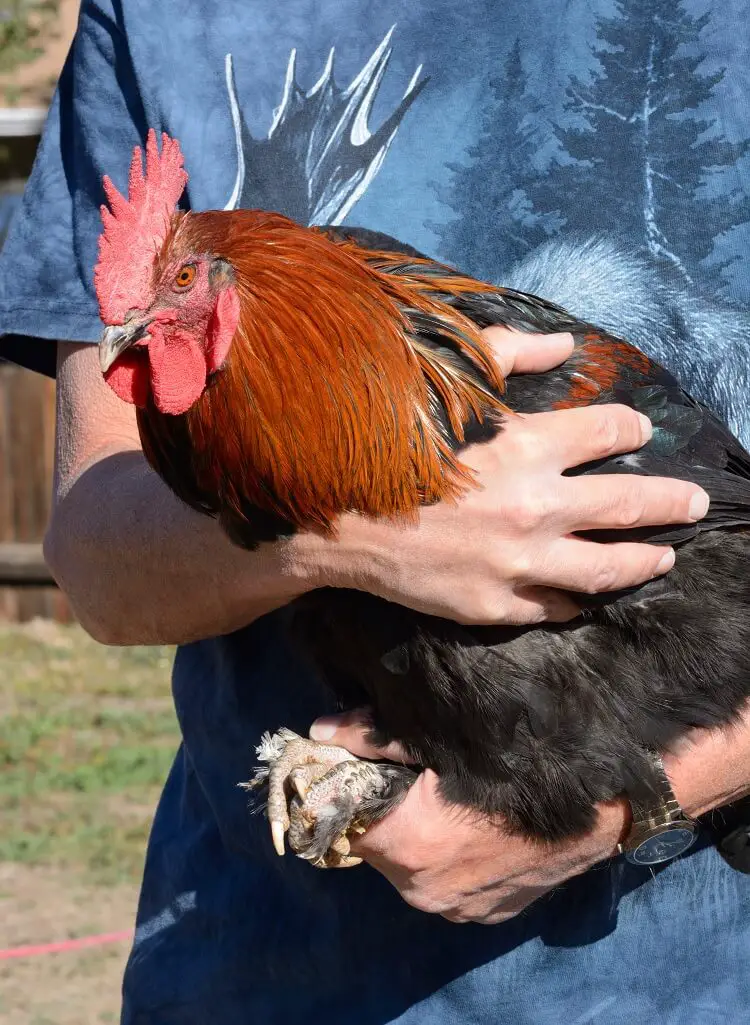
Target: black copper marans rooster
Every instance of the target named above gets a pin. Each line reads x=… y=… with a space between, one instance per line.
x=285 y=375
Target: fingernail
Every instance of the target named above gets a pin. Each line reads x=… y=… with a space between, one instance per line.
x=699 y=504
x=324 y=728
x=666 y=562
x=647 y=428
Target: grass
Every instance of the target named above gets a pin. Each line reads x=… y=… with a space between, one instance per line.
x=87 y=735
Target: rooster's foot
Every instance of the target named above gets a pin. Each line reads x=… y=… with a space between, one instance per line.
x=322 y=796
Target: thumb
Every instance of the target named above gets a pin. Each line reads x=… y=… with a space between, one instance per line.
x=521 y=352
x=351 y=730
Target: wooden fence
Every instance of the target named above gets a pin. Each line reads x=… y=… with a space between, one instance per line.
x=27 y=425
x=27 y=400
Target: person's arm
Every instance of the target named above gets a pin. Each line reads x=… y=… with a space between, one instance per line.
x=469 y=869
x=140 y=567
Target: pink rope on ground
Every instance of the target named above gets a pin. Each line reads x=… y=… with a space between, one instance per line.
x=63 y=945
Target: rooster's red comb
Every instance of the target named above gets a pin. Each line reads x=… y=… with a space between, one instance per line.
x=134 y=228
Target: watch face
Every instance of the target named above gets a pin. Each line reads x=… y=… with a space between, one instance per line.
x=663 y=846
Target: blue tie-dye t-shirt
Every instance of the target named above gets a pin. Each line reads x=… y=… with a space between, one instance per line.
x=595 y=151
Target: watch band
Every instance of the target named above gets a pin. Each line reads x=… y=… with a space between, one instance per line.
x=658 y=806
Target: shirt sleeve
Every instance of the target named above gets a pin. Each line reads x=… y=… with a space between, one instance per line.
x=46 y=265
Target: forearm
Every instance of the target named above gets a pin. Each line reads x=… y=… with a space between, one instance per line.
x=711 y=768
x=140 y=567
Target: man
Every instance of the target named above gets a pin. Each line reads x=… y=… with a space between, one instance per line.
x=227 y=932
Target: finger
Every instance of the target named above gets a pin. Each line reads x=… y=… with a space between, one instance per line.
x=351 y=730
x=521 y=352
x=461 y=918
x=471 y=917
x=566 y=438
x=591 y=567
x=607 y=501
x=497 y=916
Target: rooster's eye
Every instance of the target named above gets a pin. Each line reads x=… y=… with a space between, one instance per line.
x=185 y=276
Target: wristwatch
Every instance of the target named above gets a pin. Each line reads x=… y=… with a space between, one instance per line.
x=660 y=829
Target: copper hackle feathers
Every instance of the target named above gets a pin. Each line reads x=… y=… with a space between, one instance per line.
x=327 y=401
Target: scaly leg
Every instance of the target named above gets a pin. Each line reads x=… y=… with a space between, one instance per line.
x=321 y=796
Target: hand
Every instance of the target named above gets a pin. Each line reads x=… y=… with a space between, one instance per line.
x=505 y=552
x=449 y=861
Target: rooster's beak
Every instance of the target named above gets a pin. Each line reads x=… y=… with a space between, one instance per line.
x=117 y=338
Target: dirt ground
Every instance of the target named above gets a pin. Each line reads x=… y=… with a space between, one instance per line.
x=44 y=905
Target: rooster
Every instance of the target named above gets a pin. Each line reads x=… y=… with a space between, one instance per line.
x=284 y=375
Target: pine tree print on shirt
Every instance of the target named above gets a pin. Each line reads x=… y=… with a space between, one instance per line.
x=644 y=149
x=496 y=223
